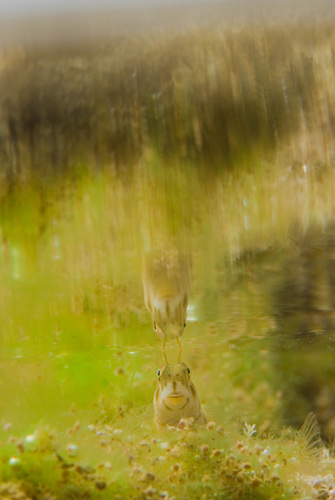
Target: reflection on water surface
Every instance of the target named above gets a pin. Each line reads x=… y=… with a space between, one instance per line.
x=260 y=343
x=214 y=143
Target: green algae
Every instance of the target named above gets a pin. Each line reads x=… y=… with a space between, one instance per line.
x=217 y=460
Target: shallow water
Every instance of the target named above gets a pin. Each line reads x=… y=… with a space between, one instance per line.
x=79 y=355
x=259 y=342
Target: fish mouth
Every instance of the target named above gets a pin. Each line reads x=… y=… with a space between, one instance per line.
x=175 y=395
x=176 y=401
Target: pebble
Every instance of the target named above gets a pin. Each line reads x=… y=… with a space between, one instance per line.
x=175 y=451
x=14 y=461
x=190 y=421
x=255 y=482
x=135 y=471
x=210 y=425
x=150 y=491
x=258 y=449
x=30 y=438
x=72 y=450
x=148 y=476
x=182 y=424
x=20 y=445
x=119 y=371
x=100 y=485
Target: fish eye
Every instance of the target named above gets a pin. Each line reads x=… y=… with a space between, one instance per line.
x=185 y=324
x=158 y=373
x=189 y=372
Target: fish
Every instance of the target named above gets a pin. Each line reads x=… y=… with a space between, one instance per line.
x=176 y=397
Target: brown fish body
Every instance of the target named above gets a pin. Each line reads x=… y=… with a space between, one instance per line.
x=176 y=397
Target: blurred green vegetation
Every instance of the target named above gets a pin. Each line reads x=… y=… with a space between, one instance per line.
x=209 y=141
x=208 y=96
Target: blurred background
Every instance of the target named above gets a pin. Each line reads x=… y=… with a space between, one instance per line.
x=202 y=129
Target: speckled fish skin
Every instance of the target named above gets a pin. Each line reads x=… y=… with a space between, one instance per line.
x=176 y=397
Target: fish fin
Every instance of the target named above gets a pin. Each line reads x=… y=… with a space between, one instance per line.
x=310 y=434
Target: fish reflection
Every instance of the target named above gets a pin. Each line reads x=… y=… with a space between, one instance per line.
x=176 y=397
x=166 y=283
